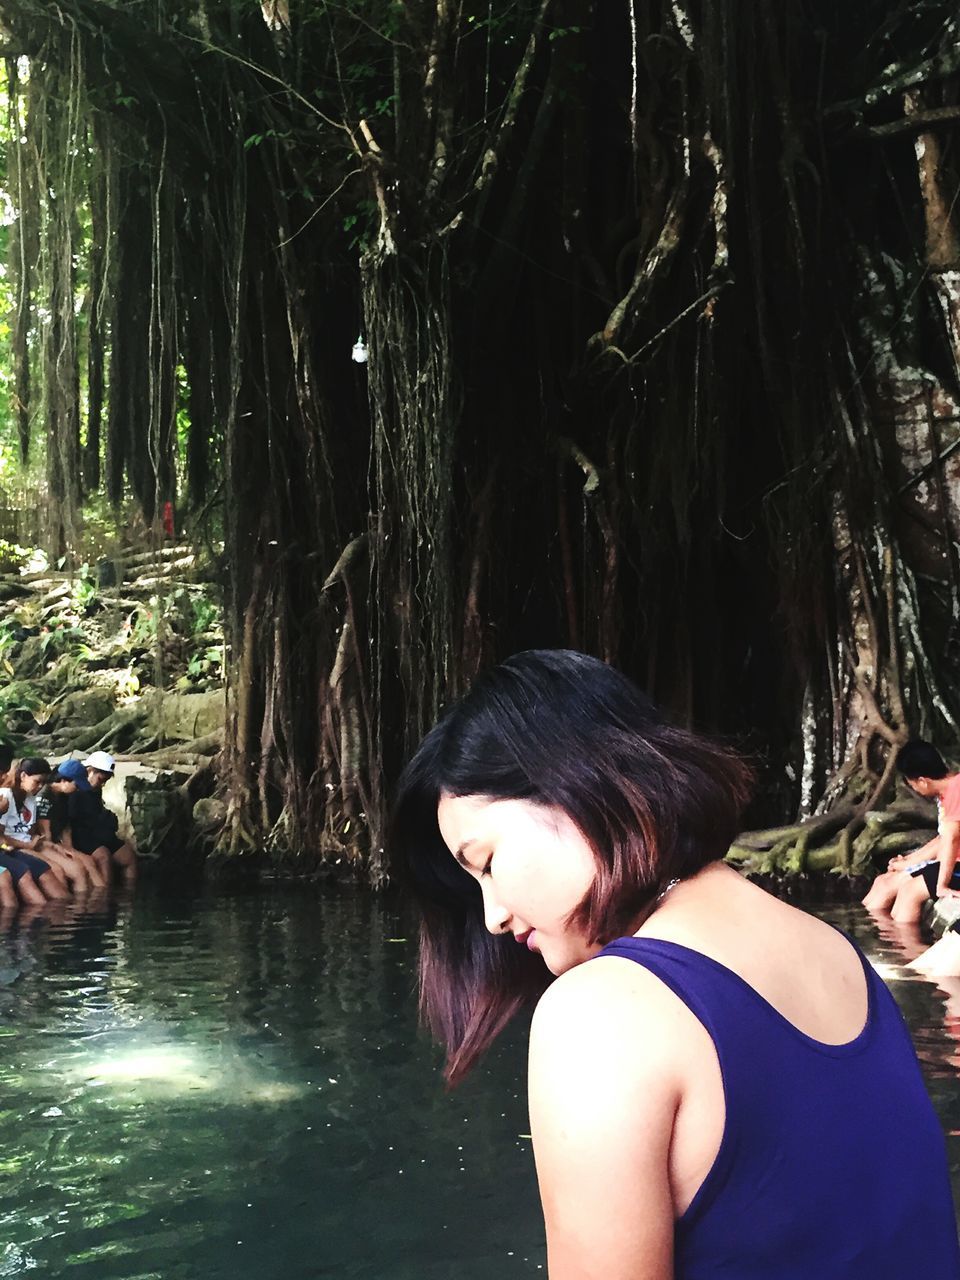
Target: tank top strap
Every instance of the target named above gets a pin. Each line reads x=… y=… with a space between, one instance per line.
x=716 y=996
x=699 y=982
x=737 y=1017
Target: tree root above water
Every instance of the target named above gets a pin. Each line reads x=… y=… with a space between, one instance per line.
x=846 y=840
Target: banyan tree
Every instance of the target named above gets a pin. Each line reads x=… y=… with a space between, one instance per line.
x=656 y=319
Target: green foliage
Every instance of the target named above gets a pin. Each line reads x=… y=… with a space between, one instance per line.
x=85 y=591
x=12 y=557
x=204 y=614
x=255 y=139
x=9 y=626
x=18 y=701
x=60 y=636
x=148 y=625
x=203 y=668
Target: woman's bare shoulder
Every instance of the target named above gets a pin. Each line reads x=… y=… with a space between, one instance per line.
x=611 y=1005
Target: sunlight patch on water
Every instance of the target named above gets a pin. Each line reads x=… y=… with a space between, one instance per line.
x=168 y=1070
x=158 y=1064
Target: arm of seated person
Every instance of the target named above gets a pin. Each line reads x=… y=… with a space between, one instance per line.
x=29 y=846
x=924 y=854
x=949 y=853
x=44 y=831
x=603 y=1098
x=49 y=845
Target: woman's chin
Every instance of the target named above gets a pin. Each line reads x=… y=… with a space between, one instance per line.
x=559 y=961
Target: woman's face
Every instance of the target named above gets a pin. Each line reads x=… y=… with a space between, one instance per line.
x=31 y=783
x=533 y=867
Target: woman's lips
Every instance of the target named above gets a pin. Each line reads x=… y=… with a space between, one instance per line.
x=528 y=939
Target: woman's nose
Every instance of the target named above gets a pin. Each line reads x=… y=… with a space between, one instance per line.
x=495 y=916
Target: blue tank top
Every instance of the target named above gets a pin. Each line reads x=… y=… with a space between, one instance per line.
x=832 y=1164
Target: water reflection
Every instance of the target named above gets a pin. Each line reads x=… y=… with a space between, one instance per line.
x=234 y=1086
x=931 y=1007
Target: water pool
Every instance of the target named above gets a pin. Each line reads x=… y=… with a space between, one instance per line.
x=233 y=1085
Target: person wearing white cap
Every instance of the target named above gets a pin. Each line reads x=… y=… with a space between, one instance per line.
x=92 y=827
x=102 y=762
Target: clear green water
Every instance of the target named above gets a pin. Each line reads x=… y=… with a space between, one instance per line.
x=234 y=1086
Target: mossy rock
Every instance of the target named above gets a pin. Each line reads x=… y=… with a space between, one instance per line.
x=30 y=660
x=86 y=706
x=159 y=813
x=209 y=814
x=183 y=717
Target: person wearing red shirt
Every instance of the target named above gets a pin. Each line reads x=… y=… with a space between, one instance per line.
x=931 y=871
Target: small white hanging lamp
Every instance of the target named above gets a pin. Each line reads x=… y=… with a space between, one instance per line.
x=359 y=354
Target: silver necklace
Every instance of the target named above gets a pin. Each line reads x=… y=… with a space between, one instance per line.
x=671 y=884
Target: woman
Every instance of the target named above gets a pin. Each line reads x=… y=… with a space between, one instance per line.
x=719 y=1084
x=36 y=879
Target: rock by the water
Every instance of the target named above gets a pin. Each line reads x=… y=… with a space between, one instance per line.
x=209 y=814
x=159 y=812
x=945 y=912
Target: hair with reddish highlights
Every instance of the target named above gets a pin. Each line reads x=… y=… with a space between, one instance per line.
x=565 y=731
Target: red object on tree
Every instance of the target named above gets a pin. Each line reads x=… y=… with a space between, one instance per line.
x=168 y=528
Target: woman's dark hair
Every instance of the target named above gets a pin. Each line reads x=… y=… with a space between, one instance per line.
x=565 y=731
x=919 y=759
x=32 y=766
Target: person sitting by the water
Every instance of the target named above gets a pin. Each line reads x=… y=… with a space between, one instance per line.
x=68 y=777
x=92 y=828
x=708 y=1071
x=35 y=878
x=930 y=871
